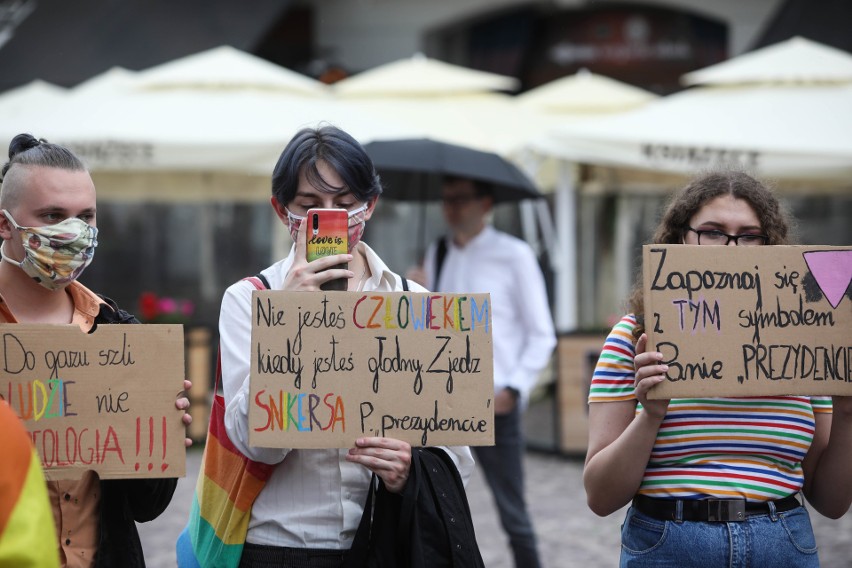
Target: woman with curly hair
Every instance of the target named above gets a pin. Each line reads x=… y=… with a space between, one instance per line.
x=701 y=493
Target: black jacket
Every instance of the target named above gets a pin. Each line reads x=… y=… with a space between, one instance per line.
x=427 y=526
x=124 y=502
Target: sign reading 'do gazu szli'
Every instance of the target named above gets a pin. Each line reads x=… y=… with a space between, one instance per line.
x=103 y=401
x=330 y=367
x=750 y=321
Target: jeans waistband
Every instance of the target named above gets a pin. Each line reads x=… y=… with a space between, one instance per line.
x=712 y=510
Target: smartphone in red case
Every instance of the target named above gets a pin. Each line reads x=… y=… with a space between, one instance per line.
x=327 y=235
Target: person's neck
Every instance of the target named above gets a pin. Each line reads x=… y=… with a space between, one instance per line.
x=360 y=267
x=462 y=237
x=31 y=302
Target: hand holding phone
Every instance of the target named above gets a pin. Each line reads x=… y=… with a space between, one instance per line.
x=327 y=234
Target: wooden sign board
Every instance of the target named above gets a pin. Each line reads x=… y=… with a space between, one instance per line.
x=750 y=321
x=330 y=367
x=103 y=401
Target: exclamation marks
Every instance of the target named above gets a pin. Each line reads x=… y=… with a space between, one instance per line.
x=138 y=433
x=164 y=465
x=151 y=439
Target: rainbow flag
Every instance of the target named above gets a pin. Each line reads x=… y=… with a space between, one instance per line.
x=27 y=533
x=228 y=484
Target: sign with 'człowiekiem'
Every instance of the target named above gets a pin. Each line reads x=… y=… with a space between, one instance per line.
x=330 y=367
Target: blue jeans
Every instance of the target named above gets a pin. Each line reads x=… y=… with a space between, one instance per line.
x=502 y=465
x=773 y=540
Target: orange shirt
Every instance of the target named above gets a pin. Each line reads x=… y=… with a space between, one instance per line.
x=74 y=501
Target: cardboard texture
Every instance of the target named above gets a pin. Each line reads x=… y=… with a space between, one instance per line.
x=103 y=401
x=750 y=321
x=330 y=367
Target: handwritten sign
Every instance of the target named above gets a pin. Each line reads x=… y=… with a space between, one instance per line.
x=329 y=367
x=750 y=321
x=103 y=401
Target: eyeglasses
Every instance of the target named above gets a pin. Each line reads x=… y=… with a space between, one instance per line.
x=714 y=237
x=459 y=199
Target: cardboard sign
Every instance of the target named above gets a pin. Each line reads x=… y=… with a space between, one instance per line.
x=103 y=401
x=750 y=321
x=330 y=367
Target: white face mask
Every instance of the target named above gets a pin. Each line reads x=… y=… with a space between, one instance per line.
x=55 y=255
x=357 y=222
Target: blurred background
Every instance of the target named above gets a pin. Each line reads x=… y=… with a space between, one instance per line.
x=181 y=109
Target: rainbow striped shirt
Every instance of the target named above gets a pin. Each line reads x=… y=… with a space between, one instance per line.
x=748 y=448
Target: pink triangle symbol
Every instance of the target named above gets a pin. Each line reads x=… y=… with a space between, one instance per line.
x=832 y=271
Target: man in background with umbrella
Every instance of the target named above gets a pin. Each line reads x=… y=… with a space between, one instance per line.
x=476 y=258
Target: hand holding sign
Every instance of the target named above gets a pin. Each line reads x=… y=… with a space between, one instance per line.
x=388 y=458
x=650 y=372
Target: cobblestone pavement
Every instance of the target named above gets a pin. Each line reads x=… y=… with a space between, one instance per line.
x=569 y=534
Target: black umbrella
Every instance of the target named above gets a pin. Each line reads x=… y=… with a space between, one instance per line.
x=412 y=170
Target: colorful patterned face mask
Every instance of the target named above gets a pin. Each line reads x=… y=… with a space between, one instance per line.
x=357 y=222
x=55 y=255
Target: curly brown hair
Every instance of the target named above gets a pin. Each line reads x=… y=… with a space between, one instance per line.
x=774 y=219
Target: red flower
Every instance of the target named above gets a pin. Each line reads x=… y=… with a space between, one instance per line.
x=148 y=306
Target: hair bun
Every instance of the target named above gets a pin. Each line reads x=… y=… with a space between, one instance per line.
x=22 y=143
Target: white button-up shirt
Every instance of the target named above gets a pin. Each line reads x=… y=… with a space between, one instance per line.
x=505 y=267
x=314 y=498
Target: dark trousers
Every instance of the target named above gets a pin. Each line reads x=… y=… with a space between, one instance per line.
x=259 y=556
x=503 y=467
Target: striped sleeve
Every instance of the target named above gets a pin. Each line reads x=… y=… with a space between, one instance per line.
x=821 y=404
x=614 y=373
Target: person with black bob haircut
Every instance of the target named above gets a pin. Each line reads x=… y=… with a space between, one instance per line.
x=308 y=512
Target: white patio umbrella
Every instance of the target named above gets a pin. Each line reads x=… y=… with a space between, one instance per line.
x=19 y=103
x=491 y=122
x=231 y=132
x=783 y=111
x=785 y=129
x=786 y=132
x=34 y=92
x=113 y=80
x=797 y=60
x=159 y=138
x=583 y=96
x=420 y=76
x=452 y=104
x=221 y=111
x=584 y=93
x=227 y=68
x=445 y=102
x=578 y=98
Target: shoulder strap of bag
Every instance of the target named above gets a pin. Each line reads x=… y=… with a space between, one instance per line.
x=440 y=255
x=260 y=282
x=264 y=283
x=404 y=284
